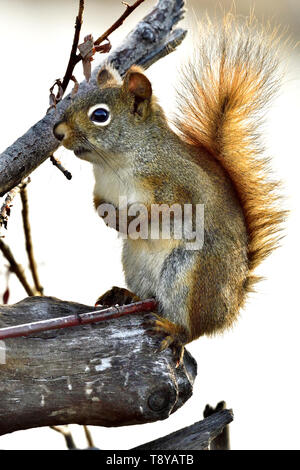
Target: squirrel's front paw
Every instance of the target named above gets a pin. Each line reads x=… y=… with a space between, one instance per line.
x=117 y=296
x=175 y=336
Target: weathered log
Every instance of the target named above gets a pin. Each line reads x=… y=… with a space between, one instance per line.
x=195 y=437
x=104 y=374
x=151 y=39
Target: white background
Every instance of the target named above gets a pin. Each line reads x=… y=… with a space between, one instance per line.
x=254 y=367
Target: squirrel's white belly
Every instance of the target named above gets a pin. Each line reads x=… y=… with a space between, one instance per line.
x=109 y=185
x=117 y=187
x=142 y=264
x=148 y=274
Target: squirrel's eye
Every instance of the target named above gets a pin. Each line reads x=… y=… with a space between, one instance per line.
x=99 y=114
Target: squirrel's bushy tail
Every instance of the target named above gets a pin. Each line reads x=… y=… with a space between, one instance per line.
x=224 y=93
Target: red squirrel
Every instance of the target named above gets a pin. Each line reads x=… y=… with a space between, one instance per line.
x=212 y=158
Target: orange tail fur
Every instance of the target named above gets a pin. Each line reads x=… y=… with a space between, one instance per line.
x=221 y=107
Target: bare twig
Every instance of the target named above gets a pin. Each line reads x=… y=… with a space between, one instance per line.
x=6 y=294
x=5 y=209
x=13 y=265
x=58 y=165
x=88 y=437
x=16 y=268
x=28 y=240
x=64 y=430
x=119 y=22
x=96 y=46
x=98 y=315
x=73 y=60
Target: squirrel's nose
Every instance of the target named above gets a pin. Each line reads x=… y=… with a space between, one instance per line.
x=59 y=130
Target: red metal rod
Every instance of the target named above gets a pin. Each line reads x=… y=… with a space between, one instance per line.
x=26 y=329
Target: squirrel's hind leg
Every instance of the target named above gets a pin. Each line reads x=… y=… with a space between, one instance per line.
x=175 y=336
x=117 y=296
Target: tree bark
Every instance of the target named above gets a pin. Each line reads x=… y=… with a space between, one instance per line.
x=104 y=374
x=222 y=441
x=151 y=39
x=195 y=437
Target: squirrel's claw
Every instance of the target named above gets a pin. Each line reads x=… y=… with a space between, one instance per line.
x=176 y=346
x=174 y=335
x=117 y=296
x=165 y=343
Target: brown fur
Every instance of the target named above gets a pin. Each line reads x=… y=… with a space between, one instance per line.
x=221 y=106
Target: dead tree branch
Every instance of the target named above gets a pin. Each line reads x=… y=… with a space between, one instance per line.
x=222 y=441
x=148 y=42
x=199 y=436
x=105 y=374
x=86 y=318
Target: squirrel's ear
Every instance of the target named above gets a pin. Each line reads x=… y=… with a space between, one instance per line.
x=107 y=75
x=137 y=85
